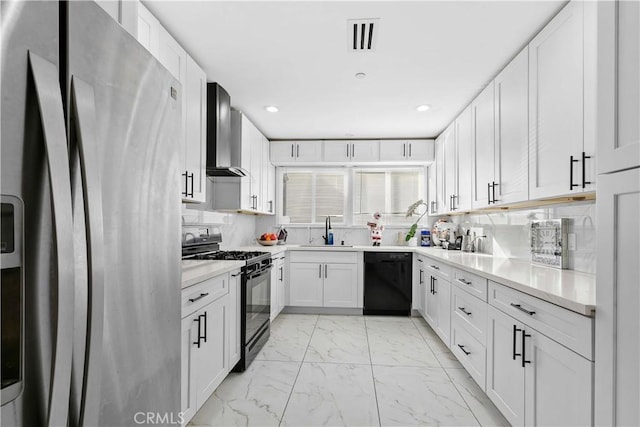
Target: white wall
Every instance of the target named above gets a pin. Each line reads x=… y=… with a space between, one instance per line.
x=237 y=230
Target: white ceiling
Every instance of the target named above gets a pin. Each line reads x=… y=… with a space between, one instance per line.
x=295 y=55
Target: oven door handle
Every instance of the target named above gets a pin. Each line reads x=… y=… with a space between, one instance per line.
x=262 y=272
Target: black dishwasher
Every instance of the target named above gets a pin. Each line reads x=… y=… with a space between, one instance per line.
x=387 y=283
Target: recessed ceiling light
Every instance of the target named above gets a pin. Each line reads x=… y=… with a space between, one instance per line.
x=422 y=108
x=271 y=108
x=360 y=75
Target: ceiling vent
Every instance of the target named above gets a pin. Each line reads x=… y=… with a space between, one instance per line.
x=362 y=34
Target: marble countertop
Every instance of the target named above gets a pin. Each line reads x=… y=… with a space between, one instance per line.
x=195 y=271
x=573 y=290
x=570 y=289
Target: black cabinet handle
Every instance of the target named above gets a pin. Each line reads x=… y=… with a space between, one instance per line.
x=409 y=149
x=519 y=307
x=353 y=150
x=198 y=342
x=404 y=150
x=185 y=193
x=202 y=295
x=347 y=150
x=292 y=154
x=320 y=271
x=488 y=192
x=421 y=281
x=271 y=206
x=524 y=357
x=297 y=150
x=584 y=169
x=493 y=192
x=515 y=331
x=205 y=326
x=431 y=284
x=435 y=279
x=433 y=207
x=463 y=350
x=571 y=162
x=325 y=271
x=468 y=313
x=453 y=202
x=191 y=178
x=435 y=267
x=281 y=274
x=464 y=282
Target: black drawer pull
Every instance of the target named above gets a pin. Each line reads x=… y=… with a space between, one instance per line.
x=584 y=169
x=463 y=350
x=435 y=267
x=199 y=337
x=524 y=310
x=197 y=298
x=468 y=313
x=466 y=282
x=571 y=162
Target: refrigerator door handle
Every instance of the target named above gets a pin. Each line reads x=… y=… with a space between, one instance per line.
x=83 y=102
x=46 y=80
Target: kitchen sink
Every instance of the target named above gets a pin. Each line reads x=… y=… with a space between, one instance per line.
x=325 y=246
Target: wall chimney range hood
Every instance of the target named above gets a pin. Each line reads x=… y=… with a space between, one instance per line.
x=223 y=155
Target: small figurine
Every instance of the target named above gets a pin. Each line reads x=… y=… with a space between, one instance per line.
x=376 y=228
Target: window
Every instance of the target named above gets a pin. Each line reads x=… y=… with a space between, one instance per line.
x=310 y=196
x=389 y=192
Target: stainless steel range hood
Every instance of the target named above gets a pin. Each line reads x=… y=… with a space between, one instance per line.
x=223 y=155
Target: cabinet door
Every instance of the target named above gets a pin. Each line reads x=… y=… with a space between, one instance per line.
x=393 y=150
x=505 y=375
x=148 y=30
x=188 y=404
x=337 y=151
x=211 y=364
x=172 y=56
x=309 y=151
x=280 y=284
x=511 y=163
x=558 y=388
x=440 y=205
x=305 y=284
x=282 y=151
x=618 y=85
x=556 y=105
x=235 y=317
x=420 y=150
x=482 y=111
x=419 y=285
x=464 y=148
x=271 y=188
x=195 y=153
x=431 y=303
x=443 y=300
x=365 y=151
x=268 y=177
x=255 y=171
x=617 y=388
x=450 y=168
x=340 y=285
x=274 y=293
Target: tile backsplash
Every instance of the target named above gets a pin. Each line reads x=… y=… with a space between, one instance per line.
x=508 y=233
x=237 y=230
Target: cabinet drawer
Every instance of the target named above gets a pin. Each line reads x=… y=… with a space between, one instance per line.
x=570 y=329
x=438 y=268
x=471 y=312
x=471 y=353
x=471 y=283
x=197 y=296
x=322 y=257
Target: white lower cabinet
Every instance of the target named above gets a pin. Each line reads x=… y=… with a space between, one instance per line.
x=210 y=343
x=277 y=285
x=324 y=279
x=419 y=291
x=534 y=380
x=437 y=304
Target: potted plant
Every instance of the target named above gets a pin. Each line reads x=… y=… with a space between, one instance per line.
x=412 y=211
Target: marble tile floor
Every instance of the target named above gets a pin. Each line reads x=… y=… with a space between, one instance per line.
x=321 y=370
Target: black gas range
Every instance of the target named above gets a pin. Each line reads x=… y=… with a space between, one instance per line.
x=255 y=291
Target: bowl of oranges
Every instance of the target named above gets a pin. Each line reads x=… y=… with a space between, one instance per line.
x=268 y=239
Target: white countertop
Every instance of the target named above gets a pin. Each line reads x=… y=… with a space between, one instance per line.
x=573 y=290
x=195 y=271
x=570 y=289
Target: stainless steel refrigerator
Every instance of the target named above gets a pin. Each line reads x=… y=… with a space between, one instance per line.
x=90 y=221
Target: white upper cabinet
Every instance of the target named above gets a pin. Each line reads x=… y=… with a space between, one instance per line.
x=511 y=161
x=414 y=150
x=148 y=33
x=464 y=146
x=450 y=167
x=432 y=182
x=440 y=205
x=351 y=151
x=482 y=113
x=288 y=152
x=195 y=147
x=561 y=159
x=172 y=55
x=618 y=85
